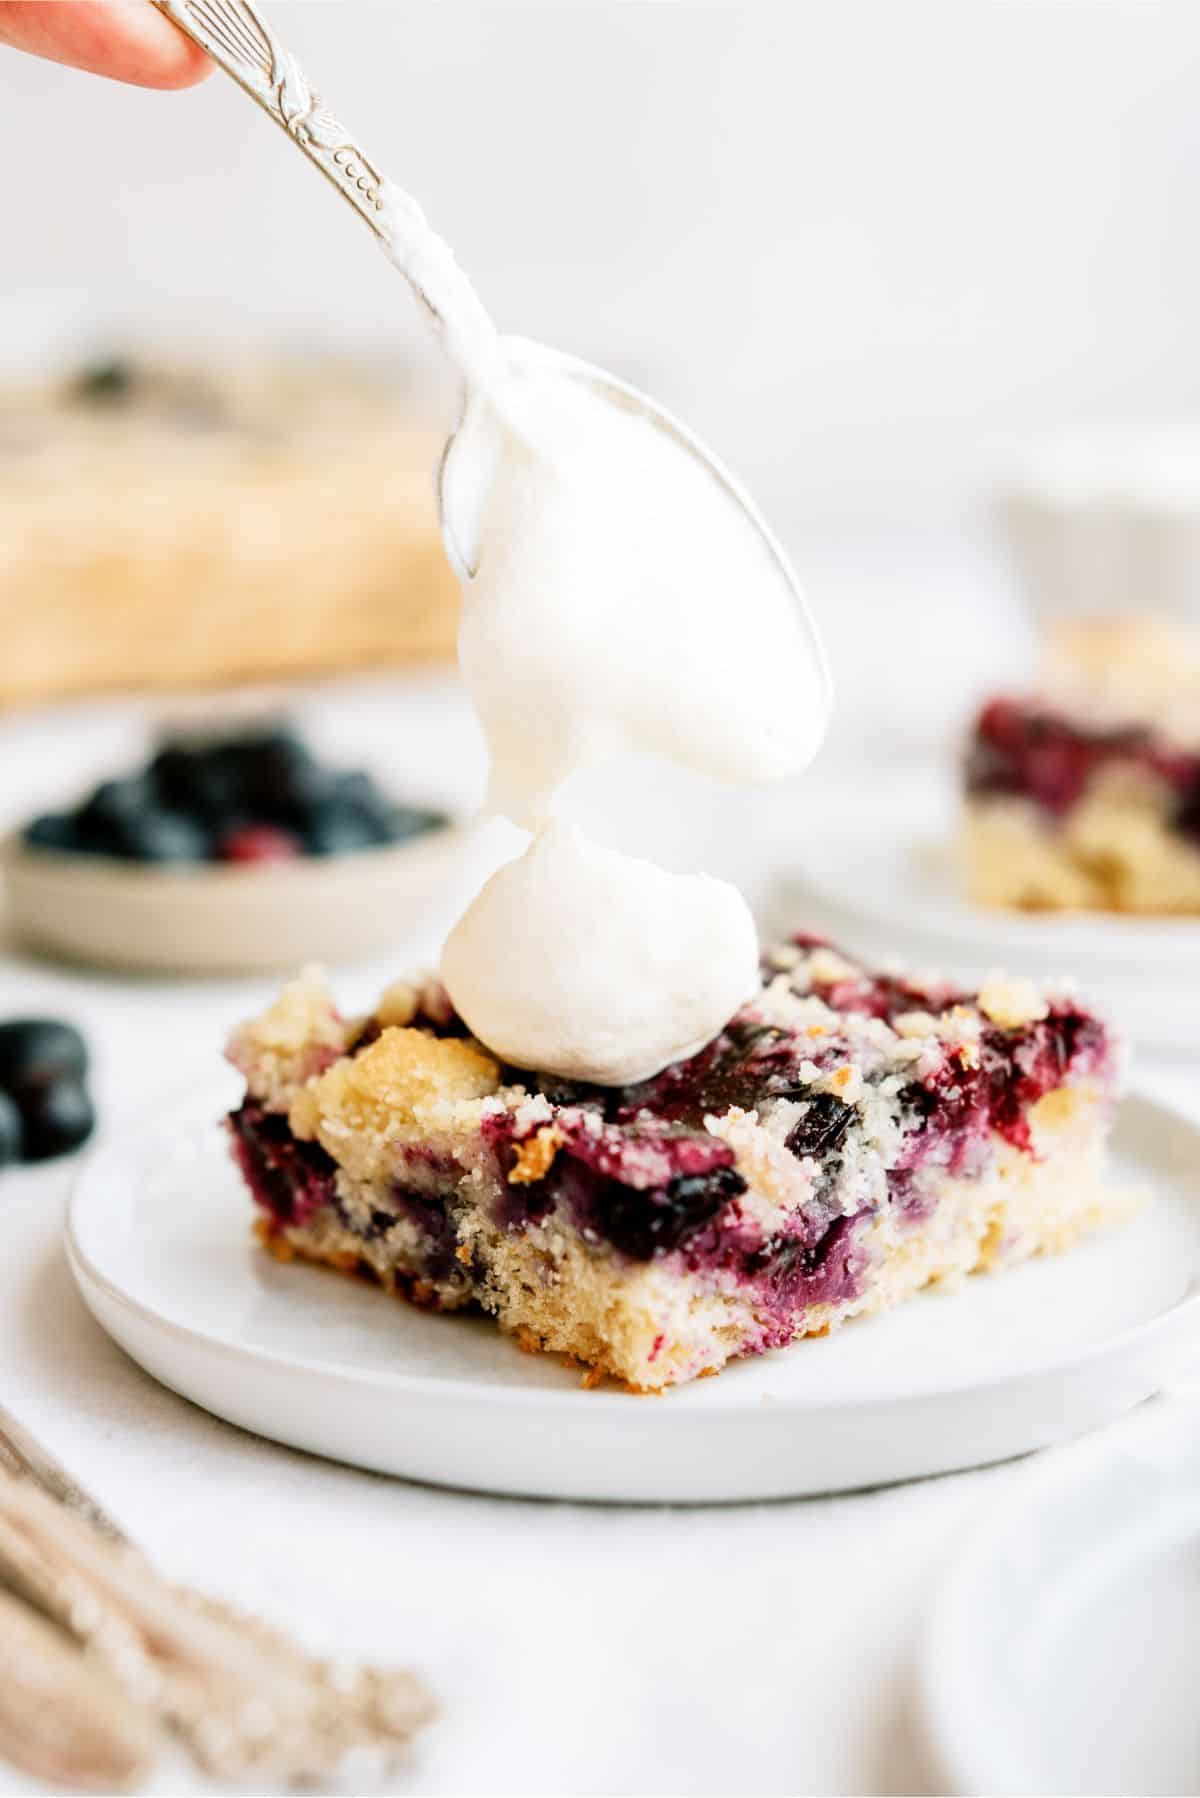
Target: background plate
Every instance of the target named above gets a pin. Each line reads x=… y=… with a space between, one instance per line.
x=158 y=1237
x=1064 y=1643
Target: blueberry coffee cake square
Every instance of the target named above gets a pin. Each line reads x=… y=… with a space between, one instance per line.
x=1084 y=794
x=1066 y=811
x=850 y=1137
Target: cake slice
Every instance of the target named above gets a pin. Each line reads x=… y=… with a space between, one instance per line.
x=1065 y=813
x=1085 y=795
x=849 y=1138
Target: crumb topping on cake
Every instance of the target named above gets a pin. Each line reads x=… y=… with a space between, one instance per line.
x=400 y=1088
x=1011 y=1003
x=398 y=1004
x=535 y=1155
x=295 y=1038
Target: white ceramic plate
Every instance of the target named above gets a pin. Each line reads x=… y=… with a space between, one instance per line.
x=159 y=1240
x=1064 y=1645
x=890 y=887
x=225 y=920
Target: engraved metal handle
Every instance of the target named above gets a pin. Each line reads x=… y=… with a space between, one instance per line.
x=237 y=37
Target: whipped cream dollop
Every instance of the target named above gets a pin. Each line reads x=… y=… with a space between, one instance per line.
x=618 y=595
x=585 y=962
x=615 y=596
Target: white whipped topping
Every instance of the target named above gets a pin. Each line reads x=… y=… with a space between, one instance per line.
x=597 y=965
x=617 y=595
x=617 y=598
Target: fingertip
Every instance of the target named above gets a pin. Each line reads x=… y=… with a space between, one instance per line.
x=127 y=40
x=181 y=65
x=135 y=42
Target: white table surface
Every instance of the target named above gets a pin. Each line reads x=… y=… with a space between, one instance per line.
x=573 y=1649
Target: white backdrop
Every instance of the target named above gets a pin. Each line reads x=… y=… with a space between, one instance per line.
x=857 y=242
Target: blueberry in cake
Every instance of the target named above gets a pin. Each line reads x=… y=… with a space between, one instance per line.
x=850 y=1137
x=258 y=795
x=1068 y=811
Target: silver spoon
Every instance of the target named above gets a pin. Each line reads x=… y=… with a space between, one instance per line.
x=238 y=38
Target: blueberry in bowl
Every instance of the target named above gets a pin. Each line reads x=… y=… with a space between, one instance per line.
x=224 y=854
x=260 y=795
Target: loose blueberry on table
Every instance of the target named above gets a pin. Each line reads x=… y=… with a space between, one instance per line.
x=257 y=797
x=45 y=1110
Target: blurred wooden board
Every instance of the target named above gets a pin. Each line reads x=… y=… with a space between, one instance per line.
x=197 y=527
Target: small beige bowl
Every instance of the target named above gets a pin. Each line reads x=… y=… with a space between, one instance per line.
x=214 y=919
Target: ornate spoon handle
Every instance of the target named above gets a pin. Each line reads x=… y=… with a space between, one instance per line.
x=238 y=38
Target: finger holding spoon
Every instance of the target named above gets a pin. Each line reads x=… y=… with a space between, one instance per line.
x=127 y=40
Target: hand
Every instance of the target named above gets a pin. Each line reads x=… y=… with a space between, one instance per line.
x=125 y=39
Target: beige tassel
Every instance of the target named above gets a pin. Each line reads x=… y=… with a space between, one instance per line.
x=245 y=1699
x=62 y=1719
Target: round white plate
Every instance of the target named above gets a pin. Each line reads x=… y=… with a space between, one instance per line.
x=159 y=1240
x=890 y=887
x=1064 y=1644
